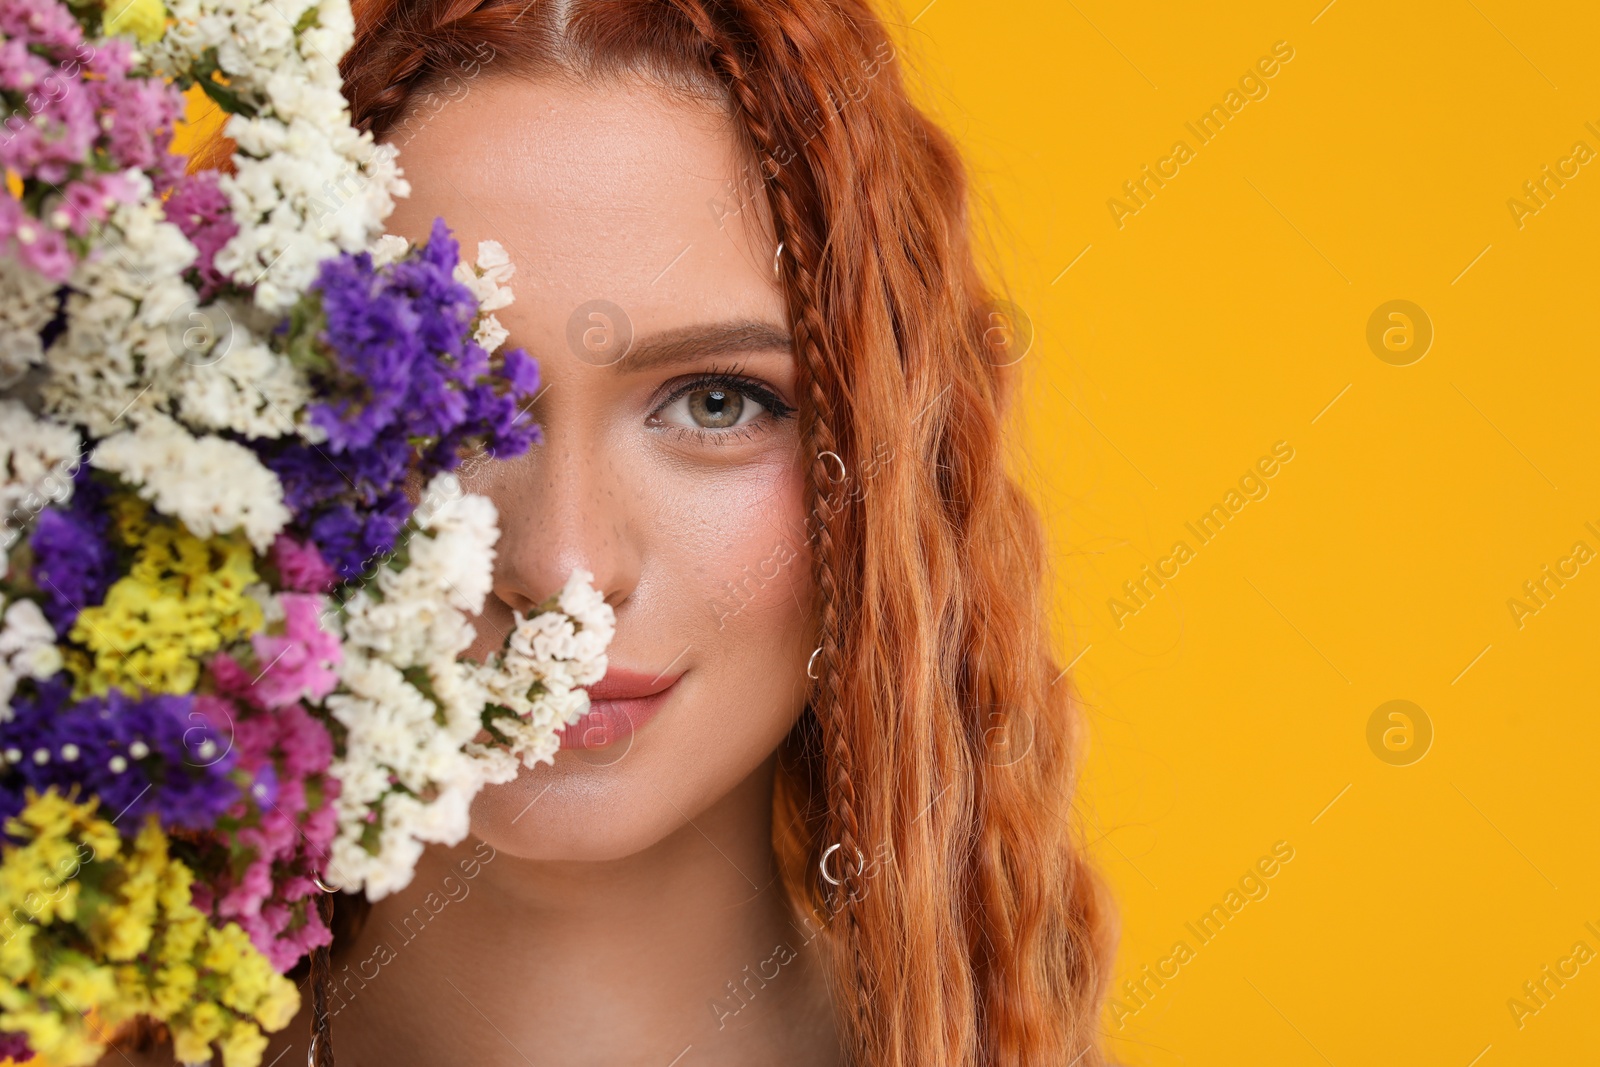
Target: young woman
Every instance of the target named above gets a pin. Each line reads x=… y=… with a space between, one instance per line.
x=820 y=812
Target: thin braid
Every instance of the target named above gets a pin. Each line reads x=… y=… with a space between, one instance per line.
x=321 y=980
x=799 y=261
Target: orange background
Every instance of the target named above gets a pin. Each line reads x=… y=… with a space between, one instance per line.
x=1230 y=312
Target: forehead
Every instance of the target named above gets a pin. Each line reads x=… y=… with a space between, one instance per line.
x=618 y=191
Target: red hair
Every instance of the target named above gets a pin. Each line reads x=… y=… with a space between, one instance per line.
x=939 y=732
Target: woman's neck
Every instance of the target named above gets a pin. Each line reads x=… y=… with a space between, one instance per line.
x=684 y=954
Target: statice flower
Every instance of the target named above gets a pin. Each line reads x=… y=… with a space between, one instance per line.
x=487 y=278
x=200 y=209
x=534 y=685
x=263 y=877
x=114 y=355
x=297 y=663
x=182 y=599
x=28 y=303
x=300 y=566
x=14 y=1046
x=74 y=561
x=85 y=114
x=87 y=962
x=406 y=778
x=213 y=485
x=295 y=141
x=138 y=754
x=27 y=649
x=38 y=458
x=398 y=367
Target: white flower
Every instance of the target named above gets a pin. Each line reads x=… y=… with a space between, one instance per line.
x=210 y=484
x=125 y=318
x=490 y=335
x=38 y=458
x=307 y=185
x=27 y=304
x=27 y=650
x=488 y=279
x=245 y=387
x=548 y=656
x=388 y=249
x=409 y=620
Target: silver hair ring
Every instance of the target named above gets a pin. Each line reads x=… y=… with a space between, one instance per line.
x=311 y=1052
x=822 y=864
x=316 y=876
x=810 y=662
x=775 y=271
x=840 y=462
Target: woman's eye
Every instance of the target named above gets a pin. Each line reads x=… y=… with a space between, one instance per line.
x=712 y=407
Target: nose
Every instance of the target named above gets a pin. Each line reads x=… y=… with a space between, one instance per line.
x=563 y=506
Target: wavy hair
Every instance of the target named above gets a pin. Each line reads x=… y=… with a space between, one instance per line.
x=939 y=732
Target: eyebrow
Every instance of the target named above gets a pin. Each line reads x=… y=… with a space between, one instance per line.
x=687 y=343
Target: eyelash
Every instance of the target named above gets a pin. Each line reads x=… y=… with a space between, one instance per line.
x=725 y=378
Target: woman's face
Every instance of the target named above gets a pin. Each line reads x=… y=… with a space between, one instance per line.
x=670 y=466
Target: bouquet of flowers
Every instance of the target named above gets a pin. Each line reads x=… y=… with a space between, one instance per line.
x=238 y=567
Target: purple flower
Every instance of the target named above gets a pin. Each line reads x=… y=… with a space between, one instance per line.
x=138 y=754
x=521 y=371
x=406 y=391
x=74 y=561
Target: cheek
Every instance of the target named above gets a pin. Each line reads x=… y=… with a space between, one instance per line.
x=754 y=571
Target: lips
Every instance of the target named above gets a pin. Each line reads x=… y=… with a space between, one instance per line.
x=620 y=703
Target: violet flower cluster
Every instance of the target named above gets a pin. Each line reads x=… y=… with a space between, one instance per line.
x=139 y=755
x=408 y=388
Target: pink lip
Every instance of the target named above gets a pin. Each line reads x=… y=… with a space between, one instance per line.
x=620 y=703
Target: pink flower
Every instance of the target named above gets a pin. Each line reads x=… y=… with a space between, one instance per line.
x=43 y=249
x=298 y=662
x=301 y=566
x=47 y=24
x=75 y=118
x=261 y=876
x=89 y=202
x=200 y=209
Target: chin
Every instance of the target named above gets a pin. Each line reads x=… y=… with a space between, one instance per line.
x=568 y=812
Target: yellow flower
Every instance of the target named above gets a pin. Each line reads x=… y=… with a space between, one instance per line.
x=182 y=598
x=174 y=988
x=243 y=1046
x=145 y=19
x=76 y=981
x=135 y=998
x=138 y=946
x=16 y=954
